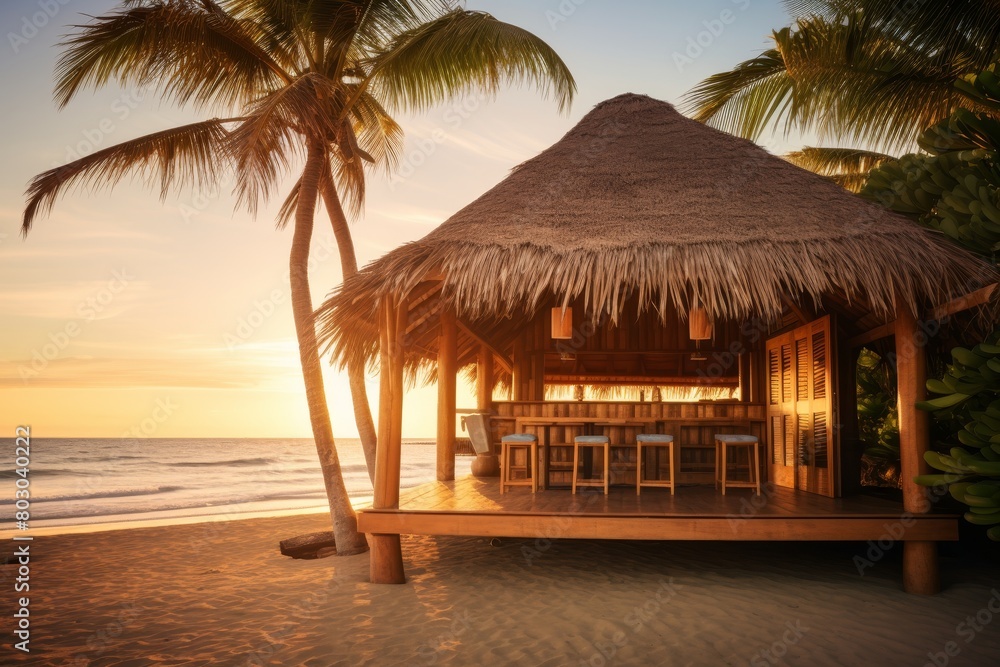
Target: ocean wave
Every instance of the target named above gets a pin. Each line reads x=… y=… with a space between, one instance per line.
x=103 y=458
x=98 y=495
x=43 y=472
x=261 y=461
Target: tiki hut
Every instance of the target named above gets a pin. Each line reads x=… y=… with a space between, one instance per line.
x=674 y=256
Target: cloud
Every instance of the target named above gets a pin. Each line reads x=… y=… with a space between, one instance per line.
x=513 y=149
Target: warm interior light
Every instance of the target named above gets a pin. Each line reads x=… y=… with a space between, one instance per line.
x=699 y=329
x=699 y=324
x=562 y=323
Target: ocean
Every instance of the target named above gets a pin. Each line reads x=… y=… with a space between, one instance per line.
x=74 y=482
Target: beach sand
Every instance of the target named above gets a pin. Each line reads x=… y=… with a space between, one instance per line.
x=221 y=594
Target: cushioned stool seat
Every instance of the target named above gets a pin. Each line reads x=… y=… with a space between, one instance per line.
x=649 y=440
x=737 y=442
x=509 y=446
x=596 y=442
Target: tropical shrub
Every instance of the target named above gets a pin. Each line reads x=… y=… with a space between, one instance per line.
x=954 y=187
x=970 y=392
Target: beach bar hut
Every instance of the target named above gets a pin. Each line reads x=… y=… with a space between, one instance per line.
x=648 y=274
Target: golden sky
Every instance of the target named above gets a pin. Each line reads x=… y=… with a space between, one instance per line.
x=122 y=314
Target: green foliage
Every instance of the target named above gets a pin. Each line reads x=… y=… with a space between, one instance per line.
x=856 y=71
x=983 y=89
x=878 y=418
x=970 y=393
x=954 y=185
x=847 y=167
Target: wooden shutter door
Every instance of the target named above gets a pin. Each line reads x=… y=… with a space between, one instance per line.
x=781 y=410
x=802 y=449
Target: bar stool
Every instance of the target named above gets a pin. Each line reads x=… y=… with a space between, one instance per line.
x=653 y=440
x=748 y=442
x=509 y=445
x=594 y=441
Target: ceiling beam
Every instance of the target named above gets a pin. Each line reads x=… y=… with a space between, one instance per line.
x=803 y=313
x=501 y=359
x=878 y=333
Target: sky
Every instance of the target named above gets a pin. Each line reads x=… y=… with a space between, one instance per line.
x=125 y=315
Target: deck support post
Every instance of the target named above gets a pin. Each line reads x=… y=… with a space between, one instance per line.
x=920 y=561
x=447 y=396
x=386 y=558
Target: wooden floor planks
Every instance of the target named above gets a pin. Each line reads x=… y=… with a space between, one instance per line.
x=472 y=506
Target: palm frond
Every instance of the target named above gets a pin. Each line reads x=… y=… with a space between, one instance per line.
x=384 y=20
x=377 y=132
x=842 y=79
x=349 y=177
x=191 y=51
x=948 y=29
x=186 y=155
x=464 y=51
x=848 y=167
x=264 y=143
x=287 y=211
x=745 y=99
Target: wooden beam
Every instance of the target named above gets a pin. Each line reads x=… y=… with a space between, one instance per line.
x=803 y=313
x=746 y=379
x=418 y=300
x=484 y=380
x=518 y=384
x=920 y=565
x=971 y=300
x=447 y=387
x=415 y=324
x=588 y=526
x=386 y=492
x=386 y=560
x=501 y=359
x=878 y=333
x=681 y=381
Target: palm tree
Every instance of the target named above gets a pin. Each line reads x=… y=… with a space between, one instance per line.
x=874 y=72
x=297 y=82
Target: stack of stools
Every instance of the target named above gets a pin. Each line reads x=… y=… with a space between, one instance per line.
x=595 y=442
x=748 y=444
x=649 y=440
x=509 y=445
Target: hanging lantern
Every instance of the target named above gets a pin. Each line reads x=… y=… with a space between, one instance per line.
x=699 y=329
x=562 y=323
x=699 y=324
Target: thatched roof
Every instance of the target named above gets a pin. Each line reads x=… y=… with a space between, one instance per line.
x=638 y=199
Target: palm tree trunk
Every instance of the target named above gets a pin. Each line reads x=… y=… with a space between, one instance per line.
x=345 y=522
x=355 y=368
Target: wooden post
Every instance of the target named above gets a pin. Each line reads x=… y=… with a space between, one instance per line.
x=850 y=445
x=484 y=380
x=746 y=391
x=518 y=383
x=920 y=562
x=386 y=559
x=447 y=386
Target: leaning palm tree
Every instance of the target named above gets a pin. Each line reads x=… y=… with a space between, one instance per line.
x=874 y=72
x=298 y=85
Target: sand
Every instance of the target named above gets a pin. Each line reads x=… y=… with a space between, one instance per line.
x=221 y=594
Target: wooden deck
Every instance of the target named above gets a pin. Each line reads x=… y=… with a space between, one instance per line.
x=472 y=506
